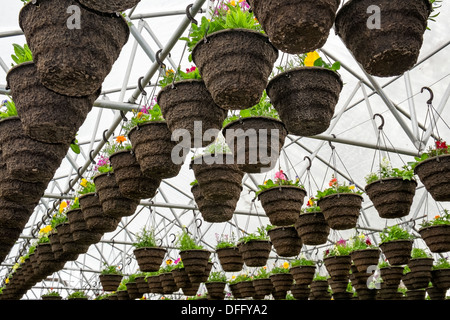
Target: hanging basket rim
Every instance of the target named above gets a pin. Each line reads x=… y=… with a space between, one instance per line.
x=339 y=195
x=429 y=160
x=390 y=179
x=282 y=187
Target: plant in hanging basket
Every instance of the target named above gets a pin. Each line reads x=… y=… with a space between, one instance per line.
x=107 y=6
x=337 y=261
x=396 y=244
x=57 y=44
x=51 y=295
x=215 y=285
x=255 y=248
x=285 y=240
x=436 y=232
x=303 y=270
x=195 y=258
x=189 y=109
x=364 y=254
x=262 y=283
x=433 y=170
x=78 y=295
x=213 y=211
x=244 y=285
x=129 y=177
x=218 y=177
x=282 y=279
x=305 y=94
x=80 y=232
x=148 y=254
x=110 y=277
x=390 y=275
x=340 y=205
x=235 y=80
x=152 y=143
x=228 y=253
x=319 y=288
x=281 y=199
x=311 y=225
x=440 y=274
x=386 y=47
x=417 y=274
x=255 y=136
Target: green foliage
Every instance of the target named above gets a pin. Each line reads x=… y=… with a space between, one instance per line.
x=440 y=148
x=360 y=242
x=111 y=269
x=340 y=248
x=8 y=109
x=318 y=277
x=86 y=186
x=335 y=188
x=395 y=233
x=312 y=60
x=386 y=171
x=264 y=108
x=144 y=115
x=280 y=269
x=217 y=276
x=442 y=263
x=77 y=294
x=383 y=264
x=145 y=239
x=186 y=242
x=302 y=262
x=419 y=253
x=240 y=278
x=261 y=273
x=225 y=241
x=75 y=147
x=58 y=218
x=442 y=219
x=260 y=234
x=51 y=293
x=280 y=180
x=170 y=76
x=21 y=54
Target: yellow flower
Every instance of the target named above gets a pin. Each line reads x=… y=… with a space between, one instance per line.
x=233 y=277
x=139 y=115
x=361 y=236
x=83 y=182
x=7 y=280
x=168 y=261
x=62 y=206
x=351 y=187
x=310 y=58
x=121 y=139
x=286 y=265
x=265 y=182
x=233 y=3
x=46 y=229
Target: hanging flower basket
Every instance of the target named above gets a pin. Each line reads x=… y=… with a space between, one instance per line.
x=154 y=284
x=282 y=204
x=70 y=247
x=397 y=252
x=303 y=275
x=305 y=98
x=214 y=211
x=263 y=287
x=235 y=65
x=149 y=259
x=108 y=6
x=300 y=291
x=256 y=142
x=341 y=211
x=364 y=258
x=110 y=282
x=338 y=267
x=282 y=282
x=285 y=241
x=129 y=177
x=312 y=228
x=441 y=278
x=181 y=278
x=27 y=159
x=436 y=293
x=57 y=45
x=191 y=290
x=255 y=253
x=168 y=283
x=230 y=259
x=195 y=261
x=436 y=237
x=319 y=290
x=392 y=197
x=434 y=173
x=296 y=27
x=152 y=146
x=246 y=289
x=113 y=202
x=420 y=275
x=142 y=284
x=96 y=219
x=216 y=290
x=78 y=227
x=14 y=214
x=391 y=276
x=219 y=178
x=40 y=109
x=392 y=48
x=188 y=105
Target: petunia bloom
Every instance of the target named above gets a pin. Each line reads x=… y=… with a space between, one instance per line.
x=121 y=139
x=280 y=175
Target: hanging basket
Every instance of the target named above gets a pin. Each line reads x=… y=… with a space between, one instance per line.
x=296 y=27
x=341 y=211
x=96 y=219
x=397 y=252
x=110 y=282
x=219 y=178
x=149 y=259
x=338 y=267
x=392 y=275
x=319 y=290
x=152 y=146
x=168 y=283
x=256 y=142
x=300 y=292
x=195 y=260
x=57 y=43
x=441 y=278
x=285 y=241
x=305 y=98
x=420 y=275
x=181 y=278
x=303 y=275
x=129 y=178
x=188 y=106
x=263 y=287
x=255 y=253
x=14 y=214
x=436 y=237
x=434 y=173
x=364 y=258
x=154 y=284
x=108 y=6
x=230 y=259
x=394 y=47
x=312 y=228
x=71 y=248
x=45 y=115
x=113 y=202
x=282 y=283
x=27 y=159
x=142 y=284
x=392 y=197
x=235 y=65
x=80 y=231
x=214 y=211
x=282 y=204
x=216 y=290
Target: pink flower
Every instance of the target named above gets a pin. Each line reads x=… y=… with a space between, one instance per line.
x=341 y=242
x=280 y=175
x=176 y=261
x=368 y=242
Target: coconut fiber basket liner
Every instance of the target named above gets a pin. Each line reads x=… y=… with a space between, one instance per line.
x=341 y=211
x=149 y=259
x=434 y=173
x=282 y=204
x=296 y=26
x=230 y=259
x=256 y=142
x=235 y=65
x=255 y=252
x=129 y=177
x=397 y=252
x=312 y=228
x=437 y=238
x=80 y=232
x=305 y=98
x=152 y=145
x=27 y=159
x=109 y=6
x=110 y=282
x=57 y=48
x=96 y=219
x=391 y=49
x=219 y=178
x=214 y=211
x=46 y=115
x=188 y=107
x=285 y=241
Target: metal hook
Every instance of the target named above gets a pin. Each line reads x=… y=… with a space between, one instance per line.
x=141 y=88
x=310 y=162
x=91 y=157
x=198 y=225
x=122 y=114
x=158 y=59
x=174 y=237
x=329 y=142
x=188 y=14
x=382 y=120
x=104 y=137
x=430 y=101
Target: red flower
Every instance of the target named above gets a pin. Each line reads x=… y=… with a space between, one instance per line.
x=441 y=145
x=368 y=242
